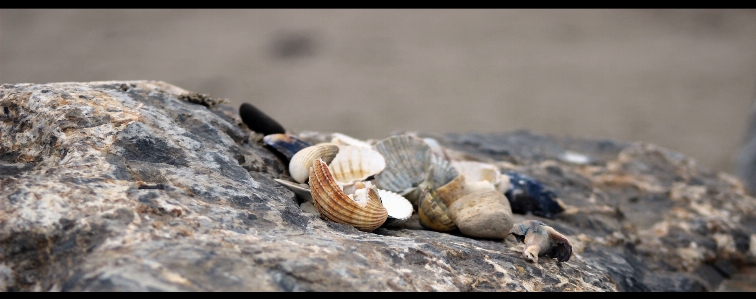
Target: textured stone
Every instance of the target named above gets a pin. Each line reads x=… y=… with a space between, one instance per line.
x=482 y=214
x=144 y=186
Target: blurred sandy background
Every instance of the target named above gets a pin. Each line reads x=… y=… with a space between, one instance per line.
x=683 y=79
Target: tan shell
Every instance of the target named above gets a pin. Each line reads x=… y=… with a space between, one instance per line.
x=433 y=214
x=337 y=206
x=356 y=163
x=344 y=140
x=299 y=166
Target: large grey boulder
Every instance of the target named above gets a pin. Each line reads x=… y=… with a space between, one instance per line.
x=142 y=186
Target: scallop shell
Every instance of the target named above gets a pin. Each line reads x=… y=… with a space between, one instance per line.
x=433 y=213
x=399 y=208
x=362 y=210
x=286 y=144
x=299 y=166
x=407 y=159
x=355 y=163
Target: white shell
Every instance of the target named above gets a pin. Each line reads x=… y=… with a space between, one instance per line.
x=477 y=171
x=356 y=163
x=299 y=166
x=344 y=140
x=399 y=208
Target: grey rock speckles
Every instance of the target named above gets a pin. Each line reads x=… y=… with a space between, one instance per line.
x=144 y=186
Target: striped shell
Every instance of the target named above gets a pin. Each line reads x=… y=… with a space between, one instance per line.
x=433 y=213
x=362 y=210
x=299 y=166
x=356 y=163
x=407 y=158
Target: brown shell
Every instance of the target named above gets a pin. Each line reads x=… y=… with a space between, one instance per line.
x=433 y=214
x=337 y=206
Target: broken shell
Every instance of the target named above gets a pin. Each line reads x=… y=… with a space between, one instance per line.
x=527 y=195
x=477 y=171
x=302 y=191
x=541 y=240
x=433 y=213
x=344 y=140
x=258 y=121
x=399 y=208
x=482 y=214
x=362 y=210
x=299 y=166
x=355 y=163
x=286 y=144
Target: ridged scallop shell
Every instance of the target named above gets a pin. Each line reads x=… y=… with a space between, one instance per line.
x=433 y=213
x=356 y=163
x=366 y=213
x=399 y=208
x=299 y=166
x=407 y=159
x=443 y=171
x=287 y=145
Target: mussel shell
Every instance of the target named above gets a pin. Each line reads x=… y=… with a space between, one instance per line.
x=287 y=145
x=355 y=163
x=527 y=195
x=433 y=213
x=337 y=206
x=258 y=121
x=299 y=166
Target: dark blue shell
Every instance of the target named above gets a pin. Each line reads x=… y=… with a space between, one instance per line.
x=286 y=144
x=528 y=196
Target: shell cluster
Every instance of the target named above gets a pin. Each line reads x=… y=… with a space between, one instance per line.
x=383 y=183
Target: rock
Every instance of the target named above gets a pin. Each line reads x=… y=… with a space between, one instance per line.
x=144 y=186
x=482 y=214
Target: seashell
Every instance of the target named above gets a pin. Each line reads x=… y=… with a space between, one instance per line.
x=433 y=213
x=355 y=163
x=302 y=191
x=477 y=171
x=309 y=207
x=407 y=159
x=443 y=171
x=362 y=209
x=258 y=121
x=399 y=208
x=527 y=195
x=541 y=240
x=453 y=190
x=286 y=144
x=482 y=214
x=344 y=140
x=299 y=166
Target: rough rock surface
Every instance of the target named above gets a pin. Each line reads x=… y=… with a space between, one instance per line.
x=142 y=186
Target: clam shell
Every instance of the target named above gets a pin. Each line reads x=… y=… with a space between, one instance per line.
x=433 y=213
x=366 y=213
x=399 y=208
x=299 y=166
x=356 y=163
x=443 y=171
x=407 y=159
x=286 y=144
